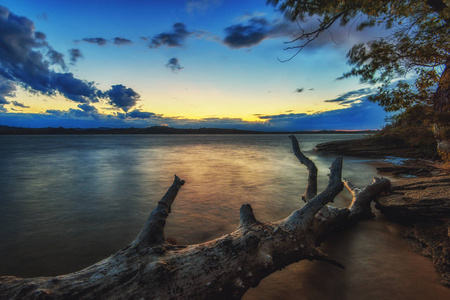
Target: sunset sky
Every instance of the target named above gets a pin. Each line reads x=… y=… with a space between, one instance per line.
x=185 y=64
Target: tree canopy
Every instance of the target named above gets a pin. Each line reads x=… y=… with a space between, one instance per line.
x=410 y=65
x=415 y=51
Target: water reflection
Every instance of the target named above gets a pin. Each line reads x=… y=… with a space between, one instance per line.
x=69 y=201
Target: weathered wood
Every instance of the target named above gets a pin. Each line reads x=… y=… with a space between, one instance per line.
x=224 y=268
x=311 y=188
x=153 y=231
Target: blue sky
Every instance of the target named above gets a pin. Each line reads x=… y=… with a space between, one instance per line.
x=186 y=64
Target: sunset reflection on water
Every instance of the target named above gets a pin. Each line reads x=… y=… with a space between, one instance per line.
x=69 y=201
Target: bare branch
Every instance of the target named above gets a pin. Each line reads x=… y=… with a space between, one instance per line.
x=303 y=217
x=360 y=206
x=354 y=191
x=247 y=217
x=310 y=36
x=311 y=188
x=153 y=231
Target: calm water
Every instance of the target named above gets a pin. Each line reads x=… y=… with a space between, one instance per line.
x=69 y=201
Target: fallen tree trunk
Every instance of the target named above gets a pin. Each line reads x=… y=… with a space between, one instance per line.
x=224 y=268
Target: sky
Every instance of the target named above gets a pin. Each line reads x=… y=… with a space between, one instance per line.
x=184 y=64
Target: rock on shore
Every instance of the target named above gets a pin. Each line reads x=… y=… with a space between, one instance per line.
x=368 y=148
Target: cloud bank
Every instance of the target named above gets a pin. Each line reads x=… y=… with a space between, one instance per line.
x=362 y=115
x=26 y=59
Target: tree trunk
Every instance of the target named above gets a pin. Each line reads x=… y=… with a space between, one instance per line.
x=224 y=268
x=441 y=102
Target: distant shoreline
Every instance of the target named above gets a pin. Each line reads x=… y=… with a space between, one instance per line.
x=7 y=130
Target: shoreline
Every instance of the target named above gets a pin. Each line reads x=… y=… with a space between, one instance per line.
x=419 y=198
x=372 y=147
x=7 y=130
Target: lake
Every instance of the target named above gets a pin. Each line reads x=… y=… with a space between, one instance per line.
x=69 y=201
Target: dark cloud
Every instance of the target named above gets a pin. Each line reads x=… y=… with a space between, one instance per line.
x=88 y=108
x=255 y=30
x=137 y=114
x=99 y=41
x=23 y=54
x=174 y=65
x=56 y=58
x=75 y=54
x=7 y=89
x=18 y=60
x=122 y=41
x=174 y=38
x=85 y=111
x=26 y=59
x=122 y=97
x=362 y=115
x=299 y=90
x=352 y=96
x=71 y=113
x=39 y=35
x=73 y=88
x=18 y=104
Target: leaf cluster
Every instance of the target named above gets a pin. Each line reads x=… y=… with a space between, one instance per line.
x=411 y=58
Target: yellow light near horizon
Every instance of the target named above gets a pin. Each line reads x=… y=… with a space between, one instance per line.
x=215 y=105
x=39 y=103
x=193 y=103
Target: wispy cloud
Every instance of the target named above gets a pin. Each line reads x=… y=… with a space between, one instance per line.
x=352 y=96
x=18 y=104
x=122 y=41
x=98 y=40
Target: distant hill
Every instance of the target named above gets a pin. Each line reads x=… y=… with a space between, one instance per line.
x=7 y=130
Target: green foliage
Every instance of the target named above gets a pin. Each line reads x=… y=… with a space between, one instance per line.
x=410 y=129
x=410 y=65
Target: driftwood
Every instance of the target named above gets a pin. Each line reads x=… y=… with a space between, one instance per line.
x=224 y=268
